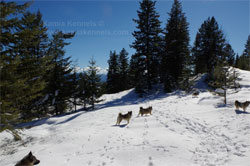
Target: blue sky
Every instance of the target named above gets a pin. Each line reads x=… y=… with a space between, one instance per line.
x=102 y=26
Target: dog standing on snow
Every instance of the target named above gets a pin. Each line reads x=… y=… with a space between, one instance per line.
x=126 y=117
x=143 y=111
x=241 y=105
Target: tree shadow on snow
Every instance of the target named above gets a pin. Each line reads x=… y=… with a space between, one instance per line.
x=241 y=112
x=69 y=119
x=51 y=120
x=132 y=98
x=128 y=99
x=221 y=105
x=245 y=86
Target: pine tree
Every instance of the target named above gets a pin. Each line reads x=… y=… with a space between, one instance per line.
x=184 y=78
x=132 y=71
x=244 y=59
x=224 y=77
x=228 y=54
x=162 y=52
x=138 y=74
x=176 y=57
x=208 y=47
x=15 y=77
x=236 y=63
x=76 y=90
x=93 y=89
x=147 y=46
x=31 y=47
x=83 y=89
x=60 y=76
x=124 y=70
x=247 y=52
x=113 y=81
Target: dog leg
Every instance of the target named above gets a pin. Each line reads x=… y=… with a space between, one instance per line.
x=118 y=121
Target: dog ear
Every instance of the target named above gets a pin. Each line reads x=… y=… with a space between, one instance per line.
x=30 y=154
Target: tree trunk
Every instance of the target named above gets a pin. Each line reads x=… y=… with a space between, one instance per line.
x=75 y=105
x=225 y=96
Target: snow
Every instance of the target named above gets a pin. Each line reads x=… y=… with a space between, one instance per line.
x=199 y=82
x=219 y=91
x=182 y=131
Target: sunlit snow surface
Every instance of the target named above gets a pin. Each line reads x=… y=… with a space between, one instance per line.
x=183 y=131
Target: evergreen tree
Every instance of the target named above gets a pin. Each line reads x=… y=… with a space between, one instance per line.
x=93 y=89
x=34 y=71
x=137 y=74
x=208 y=46
x=176 y=59
x=247 y=52
x=21 y=86
x=124 y=70
x=31 y=47
x=83 y=89
x=76 y=90
x=161 y=64
x=147 y=46
x=60 y=76
x=224 y=77
x=113 y=81
x=244 y=60
x=236 y=63
x=184 y=78
x=228 y=54
x=132 y=71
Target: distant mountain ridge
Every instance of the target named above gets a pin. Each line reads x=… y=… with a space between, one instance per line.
x=101 y=71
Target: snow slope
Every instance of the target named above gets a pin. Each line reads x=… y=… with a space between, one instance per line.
x=183 y=131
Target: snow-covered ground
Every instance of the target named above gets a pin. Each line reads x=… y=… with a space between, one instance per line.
x=183 y=131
